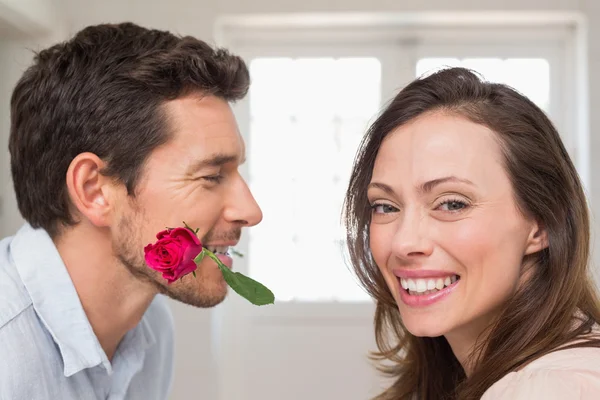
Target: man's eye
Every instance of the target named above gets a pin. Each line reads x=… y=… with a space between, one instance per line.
x=213 y=178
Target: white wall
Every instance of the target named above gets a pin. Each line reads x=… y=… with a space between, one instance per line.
x=195 y=369
x=25 y=26
x=15 y=56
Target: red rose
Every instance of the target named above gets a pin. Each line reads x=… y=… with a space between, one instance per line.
x=173 y=253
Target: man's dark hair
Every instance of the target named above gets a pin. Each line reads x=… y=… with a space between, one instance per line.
x=102 y=92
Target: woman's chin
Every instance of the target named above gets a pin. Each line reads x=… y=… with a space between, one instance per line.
x=424 y=326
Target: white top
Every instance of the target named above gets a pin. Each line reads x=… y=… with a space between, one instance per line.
x=572 y=374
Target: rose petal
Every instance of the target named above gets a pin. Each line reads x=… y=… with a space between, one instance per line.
x=185 y=234
x=173 y=253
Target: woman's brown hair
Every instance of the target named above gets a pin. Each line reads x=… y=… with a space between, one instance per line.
x=556 y=306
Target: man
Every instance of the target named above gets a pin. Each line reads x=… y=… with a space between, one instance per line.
x=115 y=135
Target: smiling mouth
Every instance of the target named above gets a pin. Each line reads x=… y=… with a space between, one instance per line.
x=422 y=287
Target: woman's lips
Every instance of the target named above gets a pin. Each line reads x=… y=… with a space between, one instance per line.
x=415 y=296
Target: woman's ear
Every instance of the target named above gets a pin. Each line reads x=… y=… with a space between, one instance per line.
x=89 y=191
x=537 y=240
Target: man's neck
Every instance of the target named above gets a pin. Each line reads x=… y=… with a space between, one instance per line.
x=113 y=300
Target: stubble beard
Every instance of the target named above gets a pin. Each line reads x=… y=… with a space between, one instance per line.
x=128 y=249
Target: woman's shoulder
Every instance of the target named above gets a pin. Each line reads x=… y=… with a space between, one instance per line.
x=563 y=374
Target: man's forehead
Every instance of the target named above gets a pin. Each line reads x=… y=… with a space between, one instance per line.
x=194 y=113
x=217 y=156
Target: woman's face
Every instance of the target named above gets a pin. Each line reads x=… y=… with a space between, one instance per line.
x=445 y=229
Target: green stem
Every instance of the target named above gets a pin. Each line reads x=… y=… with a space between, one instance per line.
x=251 y=290
x=210 y=254
x=215 y=259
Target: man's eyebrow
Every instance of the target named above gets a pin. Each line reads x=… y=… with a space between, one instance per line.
x=216 y=160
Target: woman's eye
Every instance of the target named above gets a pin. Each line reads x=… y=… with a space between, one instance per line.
x=383 y=208
x=452 y=205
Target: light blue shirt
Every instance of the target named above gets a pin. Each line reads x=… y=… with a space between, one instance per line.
x=48 y=349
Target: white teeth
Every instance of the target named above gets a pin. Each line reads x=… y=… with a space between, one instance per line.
x=417 y=285
x=219 y=249
x=426 y=286
x=412 y=286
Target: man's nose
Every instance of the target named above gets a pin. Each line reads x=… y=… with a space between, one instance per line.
x=243 y=208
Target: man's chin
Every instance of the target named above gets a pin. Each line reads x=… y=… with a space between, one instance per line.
x=205 y=303
x=197 y=297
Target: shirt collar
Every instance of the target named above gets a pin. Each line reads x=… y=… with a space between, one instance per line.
x=55 y=300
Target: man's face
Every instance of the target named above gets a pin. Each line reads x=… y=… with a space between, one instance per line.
x=193 y=178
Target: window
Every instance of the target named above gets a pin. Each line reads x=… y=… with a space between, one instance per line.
x=307 y=117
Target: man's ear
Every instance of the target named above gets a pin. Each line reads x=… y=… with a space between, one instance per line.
x=537 y=240
x=90 y=192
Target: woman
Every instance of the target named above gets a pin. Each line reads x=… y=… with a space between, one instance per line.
x=468 y=225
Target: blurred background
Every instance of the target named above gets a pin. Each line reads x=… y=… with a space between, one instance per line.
x=321 y=71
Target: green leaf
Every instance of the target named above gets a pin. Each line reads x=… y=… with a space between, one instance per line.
x=235 y=252
x=187 y=226
x=194 y=272
x=253 y=291
x=199 y=257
